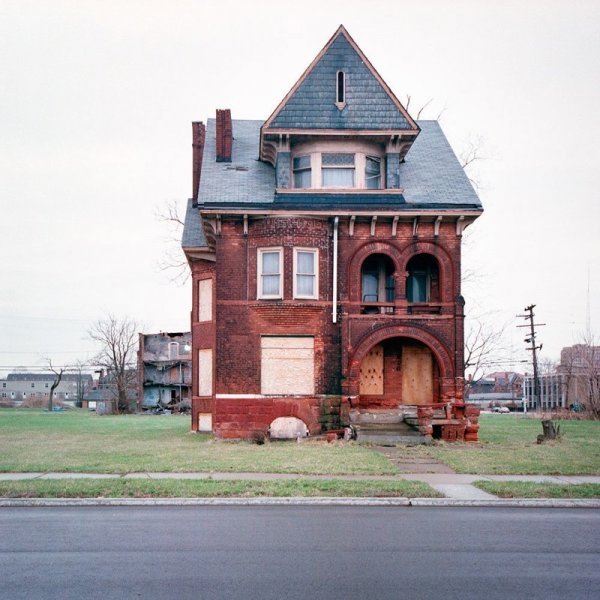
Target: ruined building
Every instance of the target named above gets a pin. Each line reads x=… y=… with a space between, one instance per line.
x=325 y=247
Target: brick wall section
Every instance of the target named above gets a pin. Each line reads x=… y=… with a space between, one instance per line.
x=224 y=133
x=203 y=336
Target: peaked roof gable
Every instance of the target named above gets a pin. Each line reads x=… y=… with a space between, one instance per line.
x=370 y=103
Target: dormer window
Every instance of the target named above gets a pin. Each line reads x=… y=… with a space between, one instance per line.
x=373 y=173
x=340 y=90
x=337 y=165
x=337 y=170
x=302 y=174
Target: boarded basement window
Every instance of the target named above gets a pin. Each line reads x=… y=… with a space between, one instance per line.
x=287 y=365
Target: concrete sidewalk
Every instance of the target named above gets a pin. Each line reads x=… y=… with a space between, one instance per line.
x=452 y=485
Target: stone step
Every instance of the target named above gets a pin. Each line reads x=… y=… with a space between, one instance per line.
x=376 y=416
x=389 y=433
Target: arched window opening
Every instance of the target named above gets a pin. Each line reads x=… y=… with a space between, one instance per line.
x=378 y=284
x=422 y=284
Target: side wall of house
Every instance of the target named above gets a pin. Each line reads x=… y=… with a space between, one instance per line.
x=242 y=406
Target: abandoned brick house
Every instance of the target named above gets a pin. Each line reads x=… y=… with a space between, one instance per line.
x=325 y=245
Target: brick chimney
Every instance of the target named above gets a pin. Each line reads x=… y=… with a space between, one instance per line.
x=198 y=136
x=224 y=135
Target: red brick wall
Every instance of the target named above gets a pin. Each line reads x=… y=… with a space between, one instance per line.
x=241 y=319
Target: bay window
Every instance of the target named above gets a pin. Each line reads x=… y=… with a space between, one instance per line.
x=337 y=170
x=302 y=172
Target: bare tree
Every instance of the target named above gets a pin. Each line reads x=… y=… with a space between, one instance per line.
x=174 y=261
x=484 y=348
x=118 y=338
x=58 y=373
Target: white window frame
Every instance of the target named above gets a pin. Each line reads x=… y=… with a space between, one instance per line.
x=315 y=253
x=259 y=274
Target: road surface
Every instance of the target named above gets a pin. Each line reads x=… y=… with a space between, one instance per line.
x=298 y=552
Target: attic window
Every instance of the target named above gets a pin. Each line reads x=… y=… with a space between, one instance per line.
x=340 y=90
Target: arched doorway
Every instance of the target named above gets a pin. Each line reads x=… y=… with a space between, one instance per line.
x=398 y=371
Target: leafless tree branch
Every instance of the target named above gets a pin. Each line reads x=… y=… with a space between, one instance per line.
x=118 y=339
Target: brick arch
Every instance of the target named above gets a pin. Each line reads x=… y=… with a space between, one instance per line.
x=445 y=265
x=353 y=276
x=440 y=351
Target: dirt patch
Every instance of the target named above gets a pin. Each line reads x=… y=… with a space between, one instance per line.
x=397 y=456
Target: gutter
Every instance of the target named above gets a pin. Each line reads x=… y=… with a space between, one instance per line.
x=335 y=269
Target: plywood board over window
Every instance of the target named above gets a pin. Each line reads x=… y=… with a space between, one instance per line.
x=287 y=365
x=205 y=300
x=371 y=372
x=205 y=372
x=417 y=375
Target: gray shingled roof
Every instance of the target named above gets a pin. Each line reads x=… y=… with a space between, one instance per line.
x=368 y=105
x=193 y=232
x=431 y=173
x=245 y=178
x=431 y=177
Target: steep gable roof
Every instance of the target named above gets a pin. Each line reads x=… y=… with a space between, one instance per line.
x=370 y=103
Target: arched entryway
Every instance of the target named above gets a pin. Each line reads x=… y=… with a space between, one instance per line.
x=398 y=371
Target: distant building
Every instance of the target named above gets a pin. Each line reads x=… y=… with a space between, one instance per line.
x=165 y=370
x=502 y=388
x=103 y=395
x=33 y=388
x=552 y=392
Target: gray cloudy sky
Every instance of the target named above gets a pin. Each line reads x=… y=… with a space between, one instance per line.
x=96 y=101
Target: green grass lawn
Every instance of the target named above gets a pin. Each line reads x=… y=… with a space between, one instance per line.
x=81 y=441
x=186 y=488
x=508 y=446
x=528 y=489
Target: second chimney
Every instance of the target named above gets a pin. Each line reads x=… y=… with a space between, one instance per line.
x=224 y=135
x=198 y=135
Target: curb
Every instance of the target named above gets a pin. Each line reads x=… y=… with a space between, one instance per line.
x=302 y=501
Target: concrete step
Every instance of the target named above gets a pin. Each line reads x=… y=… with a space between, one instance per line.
x=389 y=434
x=364 y=417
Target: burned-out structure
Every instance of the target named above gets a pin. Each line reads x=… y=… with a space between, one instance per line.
x=164 y=370
x=325 y=250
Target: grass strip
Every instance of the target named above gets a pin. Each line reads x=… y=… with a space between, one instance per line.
x=79 y=441
x=529 y=489
x=207 y=488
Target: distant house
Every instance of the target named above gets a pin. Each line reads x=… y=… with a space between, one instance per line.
x=33 y=388
x=325 y=250
x=501 y=388
x=165 y=370
x=103 y=395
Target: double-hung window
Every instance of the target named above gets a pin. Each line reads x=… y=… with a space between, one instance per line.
x=306 y=283
x=302 y=172
x=270 y=280
x=372 y=172
x=337 y=170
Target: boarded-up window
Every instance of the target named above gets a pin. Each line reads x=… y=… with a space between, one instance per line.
x=205 y=300
x=205 y=372
x=287 y=365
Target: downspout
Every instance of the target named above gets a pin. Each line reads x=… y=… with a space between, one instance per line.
x=335 y=268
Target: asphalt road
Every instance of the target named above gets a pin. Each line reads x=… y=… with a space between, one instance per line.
x=298 y=552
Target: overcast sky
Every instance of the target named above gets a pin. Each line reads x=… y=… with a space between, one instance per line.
x=96 y=101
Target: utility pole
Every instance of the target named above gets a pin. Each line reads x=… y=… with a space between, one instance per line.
x=530 y=339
